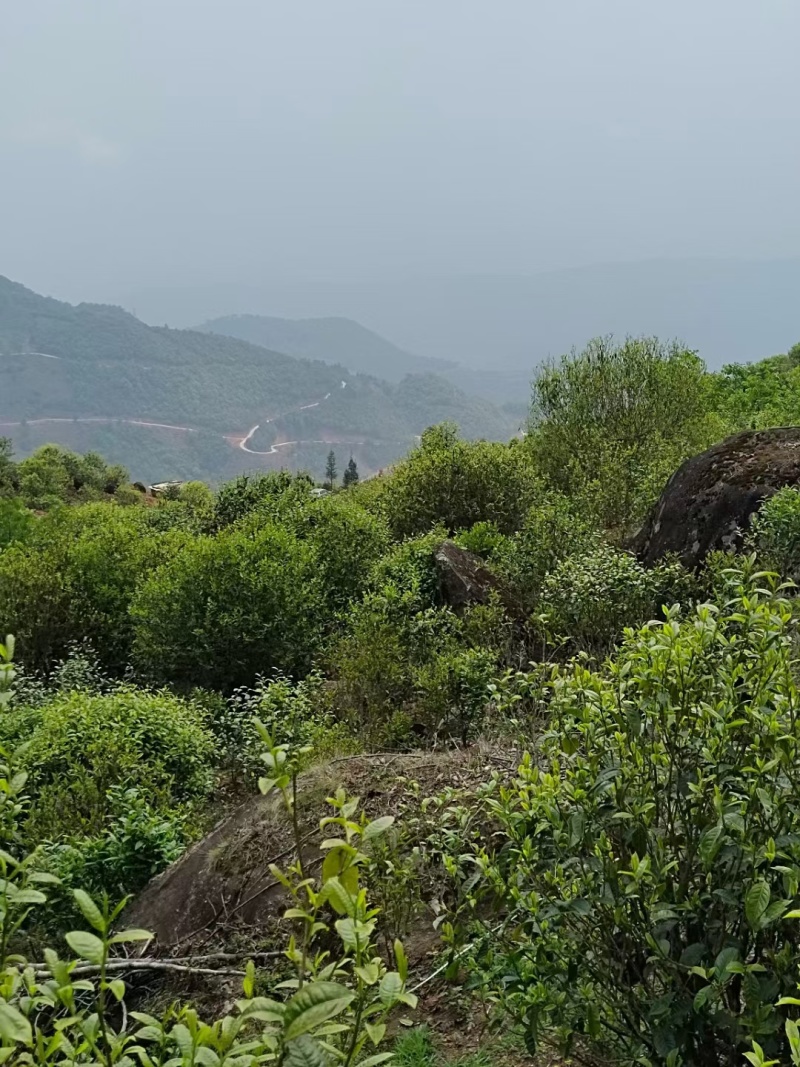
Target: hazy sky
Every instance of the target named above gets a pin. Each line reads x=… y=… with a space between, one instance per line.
x=170 y=142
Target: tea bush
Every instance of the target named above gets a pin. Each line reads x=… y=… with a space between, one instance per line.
x=588 y=599
x=135 y=844
x=229 y=608
x=79 y=745
x=653 y=847
x=553 y=528
x=775 y=532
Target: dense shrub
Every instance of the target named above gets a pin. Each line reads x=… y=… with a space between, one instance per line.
x=407 y=662
x=552 y=529
x=775 y=532
x=53 y=475
x=80 y=745
x=74 y=579
x=255 y=492
x=611 y=423
x=454 y=483
x=16 y=522
x=347 y=541
x=653 y=846
x=588 y=599
x=229 y=608
x=136 y=843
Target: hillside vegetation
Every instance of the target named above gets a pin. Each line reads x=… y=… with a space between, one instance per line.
x=543 y=800
x=82 y=375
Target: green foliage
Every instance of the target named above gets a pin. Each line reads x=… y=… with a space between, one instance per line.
x=407 y=661
x=484 y=539
x=48 y=1017
x=79 y=746
x=8 y=469
x=588 y=599
x=611 y=423
x=299 y=714
x=16 y=522
x=372 y=990
x=74 y=579
x=552 y=529
x=651 y=853
x=229 y=608
x=254 y=492
x=775 y=532
x=347 y=542
x=136 y=843
x=758 y=395
x=53 y=475
x=350 y=476
x=455 y=483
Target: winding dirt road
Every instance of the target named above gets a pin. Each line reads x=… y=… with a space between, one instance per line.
x=231 y=438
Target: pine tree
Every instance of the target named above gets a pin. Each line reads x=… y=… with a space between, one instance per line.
x=350 y=476
x=330 y=469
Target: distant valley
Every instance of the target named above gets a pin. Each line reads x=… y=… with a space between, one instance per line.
x=196 y=404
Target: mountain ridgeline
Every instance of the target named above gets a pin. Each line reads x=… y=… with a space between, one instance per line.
x=333 y=340
x=195 y=404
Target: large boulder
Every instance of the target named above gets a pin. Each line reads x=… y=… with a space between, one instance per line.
x=465 y=579
x=708 y=502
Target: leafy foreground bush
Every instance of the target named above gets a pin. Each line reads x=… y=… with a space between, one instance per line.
x=775 y=532
x=66 y=1012
x=79 y=745
x=653 y=850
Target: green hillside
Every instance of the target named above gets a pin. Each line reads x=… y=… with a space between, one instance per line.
x=95 y=377
x=333 y=340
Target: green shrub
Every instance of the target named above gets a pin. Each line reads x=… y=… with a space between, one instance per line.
x=53 y=475
x=588 y=599
x=553 y=528
x=452 y=483
x=775 y=532
x=299 y=714
x=611 y=423
x=80 y=745
x=255 y=492
x=135 y=844
x=16 y=522
x=347 y=542
x=653 y=846
x=452 y=690
x=74 y=579
x=229 y=608
x=484 y=539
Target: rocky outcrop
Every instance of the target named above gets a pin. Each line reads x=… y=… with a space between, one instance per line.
x=465 y=579
x=708 y=502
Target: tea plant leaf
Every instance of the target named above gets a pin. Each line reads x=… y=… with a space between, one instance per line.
x=14 y=1027
x=314 y=1004
x=86 y=945
x=756 y=903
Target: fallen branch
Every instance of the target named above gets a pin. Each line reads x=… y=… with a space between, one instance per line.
x=117 y=966
x=186 y=964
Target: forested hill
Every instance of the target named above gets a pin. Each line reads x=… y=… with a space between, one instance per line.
x=333 y=340
x=179 y=403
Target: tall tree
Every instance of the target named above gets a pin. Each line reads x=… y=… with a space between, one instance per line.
x=350 y=476
x=330 y=469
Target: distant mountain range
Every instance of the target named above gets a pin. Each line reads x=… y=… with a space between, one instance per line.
x=185 y=404
x=502 y=327
x=333 y=340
